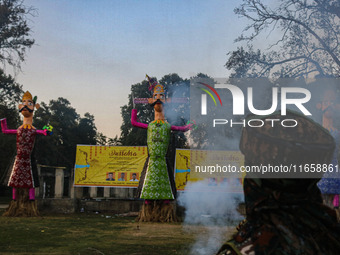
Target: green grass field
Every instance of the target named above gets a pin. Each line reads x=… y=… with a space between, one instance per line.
x=83 y=234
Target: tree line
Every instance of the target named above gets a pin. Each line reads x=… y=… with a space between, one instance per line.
x=308 y=45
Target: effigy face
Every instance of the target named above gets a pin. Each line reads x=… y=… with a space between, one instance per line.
x=26 y=107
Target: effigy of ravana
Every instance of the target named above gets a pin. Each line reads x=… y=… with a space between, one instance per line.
x=23 y=179
x=157 y=185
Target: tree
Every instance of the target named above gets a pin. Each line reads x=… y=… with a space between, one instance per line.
x=200 y=138
x=103 y=140
x=129 y=134
x=14 y=40
x=7 y=142
x=69 y=129
x=10 y=96
x=309 y=41
x=10 y=91
x=87 y=130
x=14 y=32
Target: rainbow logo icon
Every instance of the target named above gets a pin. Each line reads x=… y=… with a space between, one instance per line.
x=204 y=97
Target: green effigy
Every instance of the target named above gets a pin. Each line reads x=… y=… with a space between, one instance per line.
x=157 y=185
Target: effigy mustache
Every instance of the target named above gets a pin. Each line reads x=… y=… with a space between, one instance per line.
x=25 y=107
x=156 y=102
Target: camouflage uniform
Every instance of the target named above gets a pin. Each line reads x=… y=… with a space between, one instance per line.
x=285 y=216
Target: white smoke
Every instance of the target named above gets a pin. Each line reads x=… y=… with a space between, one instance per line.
x=214 y=208
x=175 y=113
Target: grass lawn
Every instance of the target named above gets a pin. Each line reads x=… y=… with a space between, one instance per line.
x=84 y=234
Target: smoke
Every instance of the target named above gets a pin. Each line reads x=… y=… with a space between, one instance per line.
x=177 y=113
x=214 y=208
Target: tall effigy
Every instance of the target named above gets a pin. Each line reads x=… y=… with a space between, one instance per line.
x=23 y=179
x=285 y=213
x=157 y=185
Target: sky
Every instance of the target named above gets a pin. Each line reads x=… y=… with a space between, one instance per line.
x=91 y=52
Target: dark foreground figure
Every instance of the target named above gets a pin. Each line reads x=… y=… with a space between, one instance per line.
x=285 y=215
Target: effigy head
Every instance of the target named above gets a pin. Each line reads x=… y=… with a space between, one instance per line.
x=28 y=103
x=158 y=95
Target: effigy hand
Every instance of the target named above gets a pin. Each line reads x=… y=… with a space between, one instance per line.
x=48 y=129
x=192 y=124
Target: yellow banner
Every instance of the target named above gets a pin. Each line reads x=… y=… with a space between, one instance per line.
x=219 y=167
x=114 y=166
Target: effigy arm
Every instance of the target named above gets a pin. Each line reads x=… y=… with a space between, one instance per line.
x=4 y=128
x=181 y=128
x=42 y=132
x=190 y=125
x=177 y=100
x=134 y=121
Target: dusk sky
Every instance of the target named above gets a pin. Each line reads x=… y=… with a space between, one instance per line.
x=91 y=52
